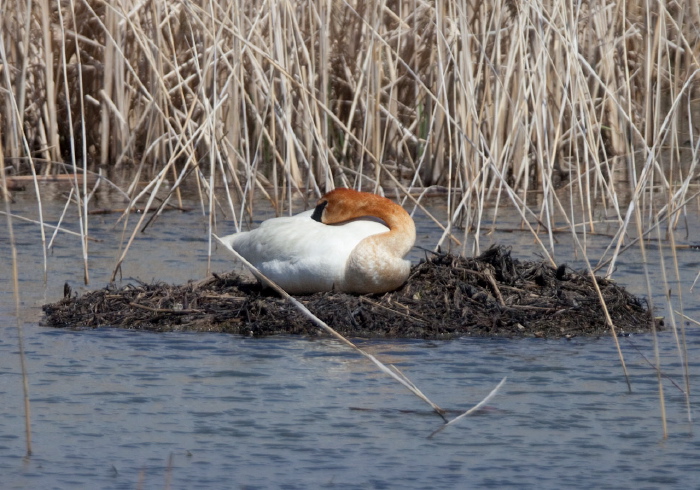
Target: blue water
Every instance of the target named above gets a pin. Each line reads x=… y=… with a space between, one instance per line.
x=120 y=409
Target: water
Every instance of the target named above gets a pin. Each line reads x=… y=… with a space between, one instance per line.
x=126 y=409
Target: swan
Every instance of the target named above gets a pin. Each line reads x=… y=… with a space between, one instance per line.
x=352 y=242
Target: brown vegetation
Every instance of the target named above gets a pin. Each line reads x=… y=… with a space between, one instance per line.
x=300 y=94
x=445 y=297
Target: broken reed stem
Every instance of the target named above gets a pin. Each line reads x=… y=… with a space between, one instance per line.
x=657 y=371
x=473 y=409
x=603 y=305
x=690 y=319
x=394 y=372
x=46 y=225
x=397 y=375
x=681 y=342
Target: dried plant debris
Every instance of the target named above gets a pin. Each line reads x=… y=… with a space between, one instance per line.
x=445 y=297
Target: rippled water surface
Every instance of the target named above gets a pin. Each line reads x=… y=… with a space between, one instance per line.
x=126 y=409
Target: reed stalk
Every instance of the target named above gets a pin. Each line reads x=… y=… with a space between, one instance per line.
x=15 y=288
x=394 y=373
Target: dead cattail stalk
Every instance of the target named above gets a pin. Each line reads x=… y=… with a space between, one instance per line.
x=397 y=375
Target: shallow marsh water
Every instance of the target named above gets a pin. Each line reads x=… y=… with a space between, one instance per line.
x=127 y=409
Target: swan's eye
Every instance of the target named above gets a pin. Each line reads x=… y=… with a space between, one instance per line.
x=318 y=212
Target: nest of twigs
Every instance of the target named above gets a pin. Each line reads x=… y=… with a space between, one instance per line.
x=445 y=297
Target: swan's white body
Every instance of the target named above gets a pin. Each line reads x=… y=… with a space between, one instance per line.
x=300 y=254
x=304 y=255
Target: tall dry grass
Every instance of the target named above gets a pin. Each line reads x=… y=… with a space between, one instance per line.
x=482 y=97
x=595 y=105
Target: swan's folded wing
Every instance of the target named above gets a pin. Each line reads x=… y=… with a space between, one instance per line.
x=300 y=254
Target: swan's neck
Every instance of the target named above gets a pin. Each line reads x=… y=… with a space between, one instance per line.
x=376 y=264
x=351 y=204
x=402 y=232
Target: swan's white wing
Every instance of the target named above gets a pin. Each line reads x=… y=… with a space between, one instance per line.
x=301 y=254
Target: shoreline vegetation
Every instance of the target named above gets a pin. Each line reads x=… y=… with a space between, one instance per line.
x=490 y=100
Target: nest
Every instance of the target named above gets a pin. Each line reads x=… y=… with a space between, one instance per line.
x=445 y=297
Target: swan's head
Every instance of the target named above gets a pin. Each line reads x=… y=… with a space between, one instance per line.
x=341 y=204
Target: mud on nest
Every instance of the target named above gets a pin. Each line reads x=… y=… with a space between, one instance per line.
x=445 y=297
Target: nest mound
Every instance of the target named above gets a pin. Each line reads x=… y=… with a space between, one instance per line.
x=445 y=297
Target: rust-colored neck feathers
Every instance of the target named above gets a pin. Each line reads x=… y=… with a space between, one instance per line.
x=343 y=204
x=376 y=264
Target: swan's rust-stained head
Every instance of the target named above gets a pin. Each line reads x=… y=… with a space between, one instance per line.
x=376 y=264
x=341 y=204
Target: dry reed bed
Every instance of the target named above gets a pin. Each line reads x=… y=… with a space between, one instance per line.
x=484 y=97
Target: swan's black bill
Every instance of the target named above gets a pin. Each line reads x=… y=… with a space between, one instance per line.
x=318 y=212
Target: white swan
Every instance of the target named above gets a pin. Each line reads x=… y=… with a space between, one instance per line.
x=339 y=246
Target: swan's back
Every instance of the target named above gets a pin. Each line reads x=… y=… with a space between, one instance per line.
x=301 y=254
